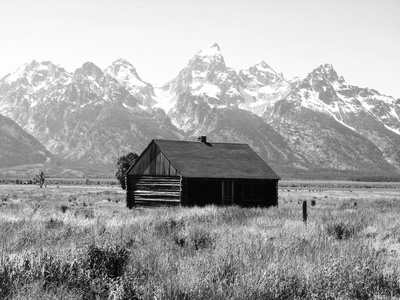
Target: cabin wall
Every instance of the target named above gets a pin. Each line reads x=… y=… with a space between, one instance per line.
x=242 y=192
x=153 y=162
x=203 y=192
x=174 y=190
x=153 y=190
x=262 y=193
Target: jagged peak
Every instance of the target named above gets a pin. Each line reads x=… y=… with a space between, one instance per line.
x=208 y=56
x=121 y=61
x=30 y=68
x=31 y=63
x=264 y=70
x=34 y=64
x=123 y=70
x=123 y=65
x=210 y=53
x=264 y=67
x=210 y=50
x=328 y=72
x=89 y=65
x=88 y=69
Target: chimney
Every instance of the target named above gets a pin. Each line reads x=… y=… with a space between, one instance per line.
x=202 y=139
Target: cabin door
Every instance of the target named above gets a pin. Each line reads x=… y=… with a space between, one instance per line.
x=227 y=192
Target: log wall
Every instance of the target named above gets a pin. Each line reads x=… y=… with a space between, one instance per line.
x=157 y=190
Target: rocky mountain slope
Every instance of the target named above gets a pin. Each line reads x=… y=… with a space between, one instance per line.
x=17 y=147
x=87 y=115
x=327 y=120
x=319 y=122
x=316 y=123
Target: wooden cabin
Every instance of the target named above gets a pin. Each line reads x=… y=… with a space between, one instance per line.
x=200 y=173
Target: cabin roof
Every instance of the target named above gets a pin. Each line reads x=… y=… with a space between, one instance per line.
x=215 y=160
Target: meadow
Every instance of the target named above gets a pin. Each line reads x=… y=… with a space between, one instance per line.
x=82 y=242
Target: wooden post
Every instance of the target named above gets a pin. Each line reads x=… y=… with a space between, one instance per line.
x=305 y=212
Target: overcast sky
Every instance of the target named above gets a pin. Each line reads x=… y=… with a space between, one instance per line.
x=361 y=38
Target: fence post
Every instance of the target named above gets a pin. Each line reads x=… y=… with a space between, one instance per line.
x=305 y=212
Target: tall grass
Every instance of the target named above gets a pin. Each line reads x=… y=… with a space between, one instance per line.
x=86 y=247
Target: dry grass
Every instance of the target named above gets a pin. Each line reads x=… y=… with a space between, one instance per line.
x=84 y=244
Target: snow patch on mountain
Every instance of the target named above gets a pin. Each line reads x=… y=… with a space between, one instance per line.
x=207 y=89
x=164 y=99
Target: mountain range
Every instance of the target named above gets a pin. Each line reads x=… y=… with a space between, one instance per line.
x=318 y=124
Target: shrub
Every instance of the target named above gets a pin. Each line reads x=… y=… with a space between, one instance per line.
x=168 y=226
x=109 y=261
x=63 y=208
x=6 y=281
x=53 y=223
x=342 y=230
x=196 y=238
x=86 y=212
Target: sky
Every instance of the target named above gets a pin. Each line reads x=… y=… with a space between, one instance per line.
x=360 y=38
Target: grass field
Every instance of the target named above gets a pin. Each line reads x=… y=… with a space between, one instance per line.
x=80 y=242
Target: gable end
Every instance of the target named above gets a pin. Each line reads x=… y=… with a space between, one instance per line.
x=153 y=161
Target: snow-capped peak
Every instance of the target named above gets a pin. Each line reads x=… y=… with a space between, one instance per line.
x=211 y=54
x=263 y=66
x=35 y=72
x=122 y=66
x=121 y=61
x=326 y=72
x=21 y=72
x=88 y=71
x=210 y=50
x=125 y=73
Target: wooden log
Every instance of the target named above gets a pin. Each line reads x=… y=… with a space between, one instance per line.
x=157 y=186
x=159 y=192
x=140 y=199
x=157 y=203
x=149 y=196
x=156 y=190
x=171 y=179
